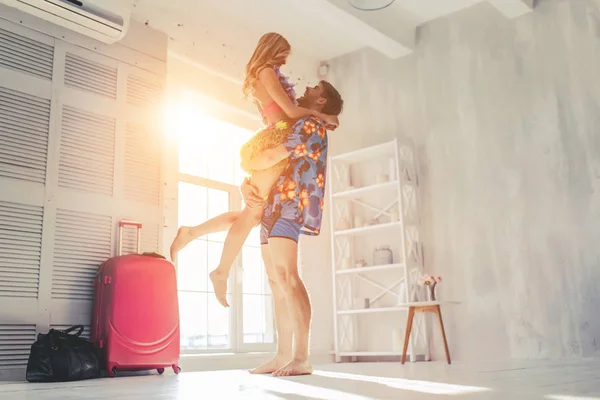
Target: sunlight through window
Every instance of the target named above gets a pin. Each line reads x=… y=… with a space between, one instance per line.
x=408 y=384
x=292 y=389
x=209 y=176
x=241 y=384
x=208 y=147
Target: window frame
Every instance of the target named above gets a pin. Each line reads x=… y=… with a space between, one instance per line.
x=236 y=322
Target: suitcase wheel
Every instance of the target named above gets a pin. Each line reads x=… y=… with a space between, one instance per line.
x=176 y=369
x=112 y=371
x=160 y=371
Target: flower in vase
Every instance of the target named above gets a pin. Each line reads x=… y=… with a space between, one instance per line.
x=426 y=280
x=429 y=280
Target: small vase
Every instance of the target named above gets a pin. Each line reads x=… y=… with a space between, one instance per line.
x=432 y=292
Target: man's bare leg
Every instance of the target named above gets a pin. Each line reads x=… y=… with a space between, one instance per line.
x=239 y=231
x=186 y=234
x=282 y=321
x=284 y=254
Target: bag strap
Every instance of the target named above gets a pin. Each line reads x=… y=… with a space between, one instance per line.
x=71 y=329
x=55 y=335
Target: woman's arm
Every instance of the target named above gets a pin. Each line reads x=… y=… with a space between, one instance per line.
x=268 y=78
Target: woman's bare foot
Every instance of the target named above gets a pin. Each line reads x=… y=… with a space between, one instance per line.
x=219 y=281
x=184 y=236
x=271 y=366
x=294 y=368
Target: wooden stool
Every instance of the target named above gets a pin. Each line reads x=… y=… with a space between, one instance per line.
x=423 y=309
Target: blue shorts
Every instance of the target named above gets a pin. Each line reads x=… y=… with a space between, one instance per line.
x=271 y=227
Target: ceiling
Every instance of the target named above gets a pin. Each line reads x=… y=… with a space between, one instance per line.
x=221 y=34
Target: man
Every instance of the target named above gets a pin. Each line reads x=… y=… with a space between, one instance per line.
x=294 y=206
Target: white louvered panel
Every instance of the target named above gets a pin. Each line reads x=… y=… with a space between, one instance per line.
x=87 y=151
x=143 y=92
x=20 y=249
x=81 y=244
x=142 y=165
x=15 y=345
x=90 y=76
x=149 y=238
x=24 y=125
x=26 y=55
x=85 y=334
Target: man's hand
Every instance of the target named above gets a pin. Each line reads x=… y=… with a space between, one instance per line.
x=250 y=194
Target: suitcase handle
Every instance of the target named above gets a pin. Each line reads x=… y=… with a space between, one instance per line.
x=123 y=224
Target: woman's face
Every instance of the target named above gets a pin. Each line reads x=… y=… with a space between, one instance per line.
x=283 y=56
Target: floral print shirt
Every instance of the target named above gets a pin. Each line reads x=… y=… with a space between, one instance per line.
x=299 y=193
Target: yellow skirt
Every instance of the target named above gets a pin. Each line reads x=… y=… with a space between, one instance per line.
x=264 y=139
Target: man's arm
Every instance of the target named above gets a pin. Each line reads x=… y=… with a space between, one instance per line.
x=250 y=194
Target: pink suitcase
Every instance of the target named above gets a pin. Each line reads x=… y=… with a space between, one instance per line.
x=135 y=318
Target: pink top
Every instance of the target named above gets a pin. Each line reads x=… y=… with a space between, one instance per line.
x=288 y=86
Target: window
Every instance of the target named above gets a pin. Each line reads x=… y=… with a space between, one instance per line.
x=209 y=176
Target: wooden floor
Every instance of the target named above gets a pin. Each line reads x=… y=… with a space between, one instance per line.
x=552 y=380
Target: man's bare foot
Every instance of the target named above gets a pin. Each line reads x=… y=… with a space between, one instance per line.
x=219 y=281
x=184 y=236
x=294 y=368
x=271 y=366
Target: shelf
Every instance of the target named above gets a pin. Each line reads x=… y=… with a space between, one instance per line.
x=367 y=229
x=353 y=193
x=378 y=151
x=400 y=307
x=369 y=269
x=373 y=310
x=400 y=191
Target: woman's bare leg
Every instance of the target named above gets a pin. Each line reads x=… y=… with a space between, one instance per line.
x=239 y=231
x=186 y=234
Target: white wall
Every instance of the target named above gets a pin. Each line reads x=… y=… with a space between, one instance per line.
x=505 y=115
x=315 y=269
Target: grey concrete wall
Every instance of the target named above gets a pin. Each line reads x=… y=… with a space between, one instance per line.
x=506 y=115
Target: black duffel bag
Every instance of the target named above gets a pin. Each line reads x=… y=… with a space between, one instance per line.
x=60 y=356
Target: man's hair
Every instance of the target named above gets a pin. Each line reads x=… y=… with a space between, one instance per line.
x=334 y=104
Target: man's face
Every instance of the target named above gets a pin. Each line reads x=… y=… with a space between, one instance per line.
x=313 y=97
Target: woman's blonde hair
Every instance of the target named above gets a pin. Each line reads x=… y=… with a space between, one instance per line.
x=272 y=49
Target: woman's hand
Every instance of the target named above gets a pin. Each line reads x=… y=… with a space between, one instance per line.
x=250 y=194
x=331 y=122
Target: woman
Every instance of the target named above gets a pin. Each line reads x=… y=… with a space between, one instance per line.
x=275 y=99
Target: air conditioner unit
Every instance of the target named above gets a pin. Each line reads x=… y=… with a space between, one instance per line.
x=103 y=20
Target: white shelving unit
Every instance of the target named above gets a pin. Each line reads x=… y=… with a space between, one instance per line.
x=390 y=205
